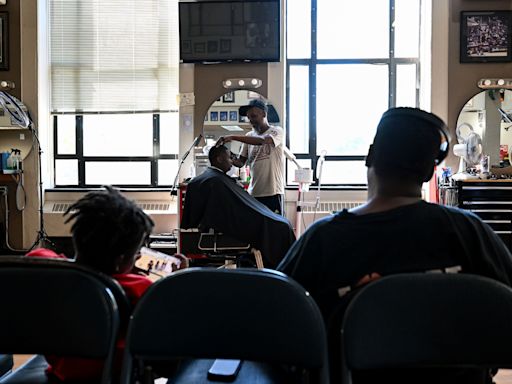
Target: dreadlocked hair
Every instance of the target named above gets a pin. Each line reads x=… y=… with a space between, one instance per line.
x=107 y=226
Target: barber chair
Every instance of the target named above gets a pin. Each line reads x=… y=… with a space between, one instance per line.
x=214 y=248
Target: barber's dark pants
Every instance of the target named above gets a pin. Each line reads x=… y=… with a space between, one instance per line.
x=275 y=203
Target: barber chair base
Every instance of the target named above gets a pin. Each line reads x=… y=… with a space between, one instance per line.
x=196 y=371
x=33 y=371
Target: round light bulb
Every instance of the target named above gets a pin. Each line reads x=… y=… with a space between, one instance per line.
x=228 y=83
x=487 y=82
x=501 y=82
x=254 y=81
x=241 y=83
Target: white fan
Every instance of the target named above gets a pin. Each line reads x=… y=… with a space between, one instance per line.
x=469 y=150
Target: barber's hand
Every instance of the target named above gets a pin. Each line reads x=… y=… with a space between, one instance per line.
x=184 y=262
x=223 y=140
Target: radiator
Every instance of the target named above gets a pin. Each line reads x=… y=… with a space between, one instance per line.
x=326 y=208
x=163 y=213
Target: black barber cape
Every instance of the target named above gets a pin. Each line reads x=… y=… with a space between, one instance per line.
x=214 y=200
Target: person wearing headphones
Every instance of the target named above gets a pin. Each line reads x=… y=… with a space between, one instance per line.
x=396 y=231
x=262 y=150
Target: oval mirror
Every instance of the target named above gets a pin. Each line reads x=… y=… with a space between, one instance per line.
x=489 y=114
x=223 y=117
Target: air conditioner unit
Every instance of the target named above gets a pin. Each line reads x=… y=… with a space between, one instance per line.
x=158 y=205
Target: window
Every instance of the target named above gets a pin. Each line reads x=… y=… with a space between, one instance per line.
x=114 y=81
x=347 y=63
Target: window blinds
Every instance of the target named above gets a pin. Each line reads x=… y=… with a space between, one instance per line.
x=114 y=55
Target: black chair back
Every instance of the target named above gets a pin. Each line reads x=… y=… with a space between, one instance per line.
x=57 y=307
x=428 y=320
x=258 y=315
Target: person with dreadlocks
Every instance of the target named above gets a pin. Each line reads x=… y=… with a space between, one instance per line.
x=107 y=231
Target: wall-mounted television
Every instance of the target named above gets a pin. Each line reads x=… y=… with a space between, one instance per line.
x=225 y=31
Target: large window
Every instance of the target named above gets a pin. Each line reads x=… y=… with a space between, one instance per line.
x=114 y=81
x=347 y=63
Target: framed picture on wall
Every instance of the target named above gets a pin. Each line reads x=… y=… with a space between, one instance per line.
x=4 y=41
x=485 y=36
x=229 y=97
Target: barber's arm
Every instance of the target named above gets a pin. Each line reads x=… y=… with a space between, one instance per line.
x=251 y=140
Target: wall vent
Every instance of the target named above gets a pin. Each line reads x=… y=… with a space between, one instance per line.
x=146 y=206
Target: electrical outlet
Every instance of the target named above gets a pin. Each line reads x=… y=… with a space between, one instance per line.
x=187 y=99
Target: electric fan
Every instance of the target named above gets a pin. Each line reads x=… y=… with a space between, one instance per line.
x=469 y=150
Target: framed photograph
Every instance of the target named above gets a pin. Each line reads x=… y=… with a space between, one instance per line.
x=233 y=115
x=4 y=41
x=229 y=97
x=485 y=36
x=223 y=116
x=214 y=116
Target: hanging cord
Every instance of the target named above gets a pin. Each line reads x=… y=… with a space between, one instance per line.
x=319 y=168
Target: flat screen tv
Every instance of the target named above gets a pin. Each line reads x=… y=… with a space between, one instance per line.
x=225 y=31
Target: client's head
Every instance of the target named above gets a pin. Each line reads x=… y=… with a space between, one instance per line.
x=220 y=157
x=108 y=230
x=408 y=144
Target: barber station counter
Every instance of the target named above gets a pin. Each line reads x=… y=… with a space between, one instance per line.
x=491 y=200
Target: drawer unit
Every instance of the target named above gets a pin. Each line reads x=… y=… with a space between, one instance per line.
x=491 y=200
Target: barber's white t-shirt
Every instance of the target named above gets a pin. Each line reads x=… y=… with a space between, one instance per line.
x=266 y=162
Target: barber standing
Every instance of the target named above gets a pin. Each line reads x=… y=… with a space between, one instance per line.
x=262 y=150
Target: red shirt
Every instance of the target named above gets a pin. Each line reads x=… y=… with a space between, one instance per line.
x=72 y=368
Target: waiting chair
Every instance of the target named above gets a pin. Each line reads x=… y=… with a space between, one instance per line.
x=431 y=322
x=6 y=364
x=56 y=307
x=261 y=316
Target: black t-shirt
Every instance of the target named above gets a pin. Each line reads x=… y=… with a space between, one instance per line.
x=336 y=252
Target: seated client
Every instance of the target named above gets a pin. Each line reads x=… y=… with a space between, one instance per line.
x=108 y=231
x=215 y=201
x=396 y=231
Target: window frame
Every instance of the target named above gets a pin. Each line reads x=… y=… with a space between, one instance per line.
x=391 y=61
x=79 y=153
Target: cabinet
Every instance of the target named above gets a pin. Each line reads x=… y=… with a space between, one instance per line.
x=491 y=200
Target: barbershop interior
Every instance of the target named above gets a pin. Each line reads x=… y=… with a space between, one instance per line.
x=258 y=191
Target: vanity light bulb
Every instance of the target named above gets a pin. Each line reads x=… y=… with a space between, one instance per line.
x=241 y=83
x=228 y=83
x=501 y=82
x=254 y=81
x=487 y=82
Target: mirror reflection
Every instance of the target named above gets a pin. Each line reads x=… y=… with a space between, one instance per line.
x=223 y=117
x=489 y=115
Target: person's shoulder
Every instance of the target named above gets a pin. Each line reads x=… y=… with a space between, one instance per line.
x=453 y=212
x=45 y=253
x=319 y=227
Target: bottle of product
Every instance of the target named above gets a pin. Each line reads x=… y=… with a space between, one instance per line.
x=11 y=161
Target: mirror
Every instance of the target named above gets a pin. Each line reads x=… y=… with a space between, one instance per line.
x=489 y=113
x=222 y=118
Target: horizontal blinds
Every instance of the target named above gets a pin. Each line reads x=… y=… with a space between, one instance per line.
x=114 y=55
